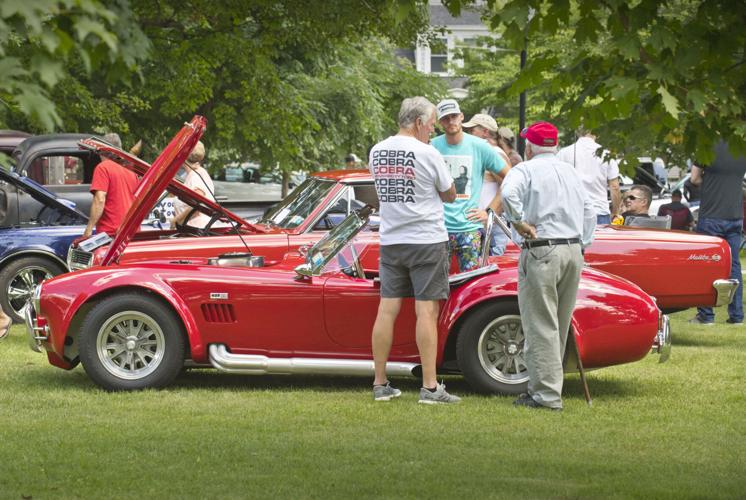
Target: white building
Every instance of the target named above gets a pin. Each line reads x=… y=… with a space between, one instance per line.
x=460 y=32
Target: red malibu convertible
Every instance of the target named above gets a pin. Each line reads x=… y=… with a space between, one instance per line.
x=680 y=269
x=132 y=325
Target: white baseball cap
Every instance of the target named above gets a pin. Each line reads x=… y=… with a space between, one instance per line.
x=448 y=107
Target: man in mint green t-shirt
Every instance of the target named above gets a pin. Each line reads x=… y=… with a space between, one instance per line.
x=467 y=158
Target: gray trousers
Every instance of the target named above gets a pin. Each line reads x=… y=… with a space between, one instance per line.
x=548 y=280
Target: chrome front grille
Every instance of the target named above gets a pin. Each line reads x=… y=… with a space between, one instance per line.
x=78 y=259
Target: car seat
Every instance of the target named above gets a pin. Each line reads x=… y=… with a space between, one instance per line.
x=653 y=222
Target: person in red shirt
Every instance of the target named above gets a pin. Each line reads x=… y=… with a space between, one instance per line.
x=113 y=188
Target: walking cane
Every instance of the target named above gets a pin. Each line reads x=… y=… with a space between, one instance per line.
x=493 y=217
x=586 y=392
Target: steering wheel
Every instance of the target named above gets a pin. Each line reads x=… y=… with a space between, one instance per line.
x=186 y=229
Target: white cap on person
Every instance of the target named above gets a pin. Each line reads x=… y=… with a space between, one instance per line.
x=448 y=107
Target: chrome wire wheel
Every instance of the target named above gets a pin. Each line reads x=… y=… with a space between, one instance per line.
x=21 y=287
x=130 y=345
x=500 y=350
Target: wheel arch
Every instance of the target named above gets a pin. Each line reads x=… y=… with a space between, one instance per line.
x=454 y=326
x=20 y=253
x=453 y=329
x=10 y=267
x=172 y=301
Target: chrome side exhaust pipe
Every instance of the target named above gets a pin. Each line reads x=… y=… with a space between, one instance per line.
x=252 y=364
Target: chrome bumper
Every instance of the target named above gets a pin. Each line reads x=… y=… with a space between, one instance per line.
x=36 y=334
x=662 y=343
x=724 y=290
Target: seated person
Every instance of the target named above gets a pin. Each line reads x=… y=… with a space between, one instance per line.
x=681 y=216
x=636 y=202
x=198 y=180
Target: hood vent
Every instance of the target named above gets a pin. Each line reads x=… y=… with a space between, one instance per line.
x=218 y=313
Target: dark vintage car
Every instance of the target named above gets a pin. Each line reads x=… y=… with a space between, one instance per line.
x=679 y=269
x=132 y=325
x=58 y=163
x=36 y=229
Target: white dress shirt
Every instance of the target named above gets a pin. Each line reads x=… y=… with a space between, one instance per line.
x=595 y=173
x=548 y=194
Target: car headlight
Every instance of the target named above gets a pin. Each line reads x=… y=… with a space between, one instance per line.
x=78 y=259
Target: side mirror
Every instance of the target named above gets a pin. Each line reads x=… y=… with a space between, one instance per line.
x=304 y=270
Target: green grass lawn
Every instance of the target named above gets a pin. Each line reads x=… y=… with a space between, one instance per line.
x=655 y=431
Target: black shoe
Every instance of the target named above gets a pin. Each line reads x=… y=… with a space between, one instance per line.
x=732 y=321
x=529 y=402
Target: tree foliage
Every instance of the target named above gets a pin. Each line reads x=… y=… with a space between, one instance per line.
x=295 y=83
x=650 y=76
x=42 y=40
x=292 y=83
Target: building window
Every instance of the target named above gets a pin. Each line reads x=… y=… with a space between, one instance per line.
x=438 y=55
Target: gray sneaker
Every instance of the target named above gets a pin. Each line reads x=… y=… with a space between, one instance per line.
x=385 y=392
x=697 y=320
x=439 y=397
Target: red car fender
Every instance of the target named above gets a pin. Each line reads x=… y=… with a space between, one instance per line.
x=607 y=308
x=466 y=297
x=60 y=304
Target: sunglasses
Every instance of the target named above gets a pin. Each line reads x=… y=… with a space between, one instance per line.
x=632 y=198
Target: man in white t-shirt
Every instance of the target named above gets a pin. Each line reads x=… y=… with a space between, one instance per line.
x=595 y=174
x=412 y=182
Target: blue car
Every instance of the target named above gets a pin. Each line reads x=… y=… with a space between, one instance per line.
x=36 y=229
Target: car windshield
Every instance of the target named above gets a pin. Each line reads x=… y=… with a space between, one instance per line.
x=680 y=185
x=293 y=210
x=332 y=249
x=347 y=259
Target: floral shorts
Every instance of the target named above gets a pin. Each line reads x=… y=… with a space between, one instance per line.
x=466 y=246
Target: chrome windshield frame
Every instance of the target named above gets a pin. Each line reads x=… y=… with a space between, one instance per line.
x=333 y=242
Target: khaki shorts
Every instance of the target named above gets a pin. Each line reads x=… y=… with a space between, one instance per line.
x=419 y=271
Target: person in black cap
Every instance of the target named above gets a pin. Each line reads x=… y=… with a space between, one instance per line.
x=352 y=161
x=681 y=216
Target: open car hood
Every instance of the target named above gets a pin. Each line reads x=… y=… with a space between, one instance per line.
x=174 y=187
x=41 y=194
x=153 y=182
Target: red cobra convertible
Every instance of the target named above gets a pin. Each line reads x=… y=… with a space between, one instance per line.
x=680 y=269
x=132 y=325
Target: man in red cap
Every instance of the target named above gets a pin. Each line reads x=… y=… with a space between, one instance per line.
x=544 y=199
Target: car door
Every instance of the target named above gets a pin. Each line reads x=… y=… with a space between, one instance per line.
x=350 y=308
x=253 y=311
